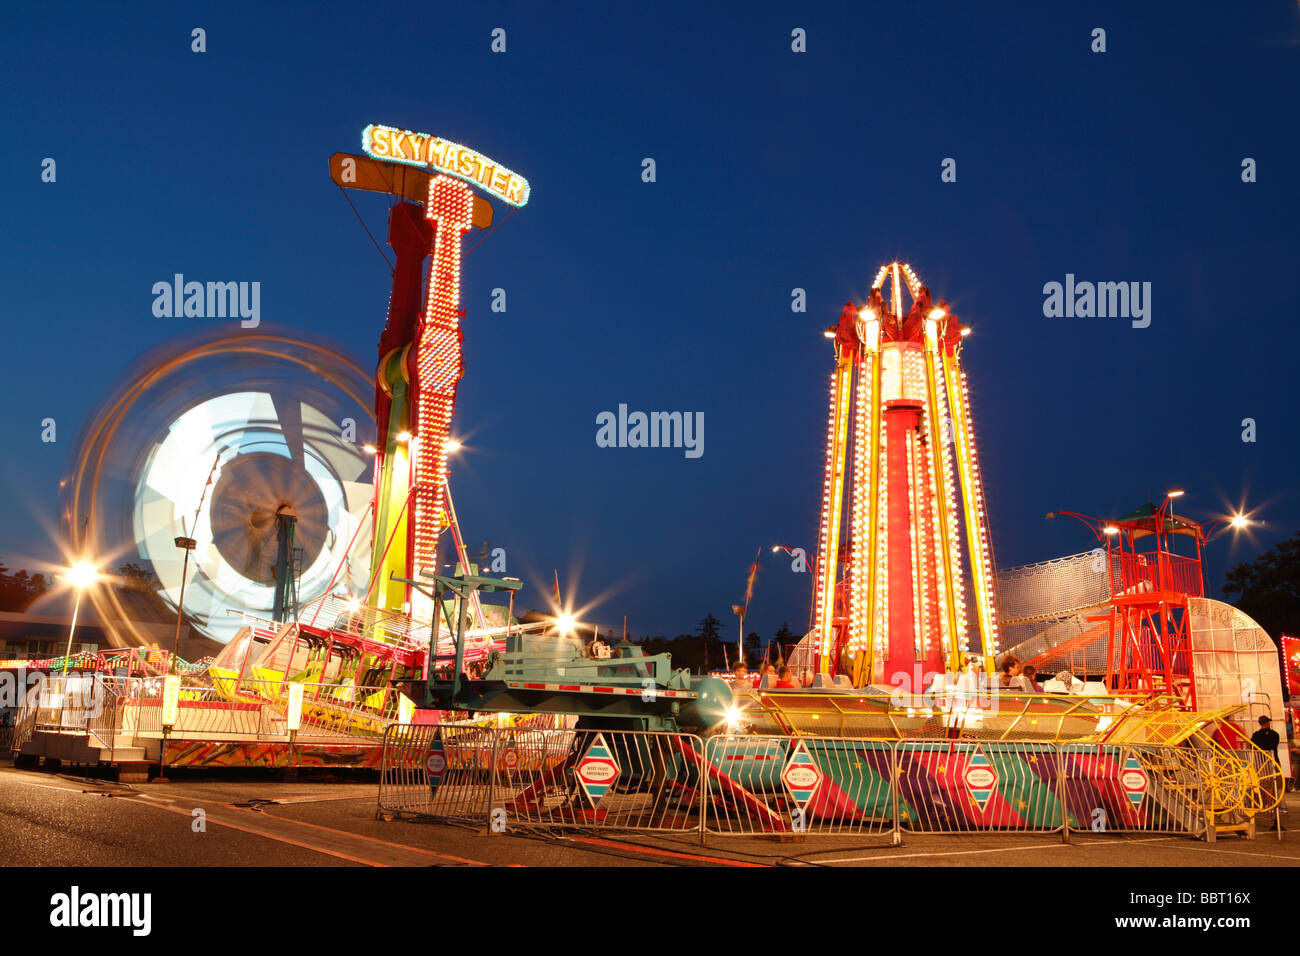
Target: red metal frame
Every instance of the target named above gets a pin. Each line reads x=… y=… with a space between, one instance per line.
x=1151 y=586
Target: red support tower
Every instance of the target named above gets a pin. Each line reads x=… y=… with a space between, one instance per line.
x=1147 y=627
x=1150 y=586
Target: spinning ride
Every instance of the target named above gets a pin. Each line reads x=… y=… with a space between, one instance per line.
x=246 y=445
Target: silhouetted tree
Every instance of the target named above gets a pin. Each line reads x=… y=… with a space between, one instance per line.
x=784 y=639
x=129 y=576
x=20 y=589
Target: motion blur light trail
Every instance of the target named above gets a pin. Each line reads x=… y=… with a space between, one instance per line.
x=282 y=419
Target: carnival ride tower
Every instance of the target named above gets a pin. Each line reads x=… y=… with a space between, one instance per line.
x=419 y=367
x=904 y=532
x=420 y=359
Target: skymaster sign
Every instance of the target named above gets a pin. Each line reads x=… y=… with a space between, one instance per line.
x=420 y=149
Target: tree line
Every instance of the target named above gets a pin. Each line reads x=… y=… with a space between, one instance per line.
x=19 y=590
x=706 y=649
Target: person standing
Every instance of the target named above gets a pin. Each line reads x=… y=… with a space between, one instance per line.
x=1266 y=738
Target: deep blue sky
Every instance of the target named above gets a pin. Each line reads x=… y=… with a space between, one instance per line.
x=775 y=170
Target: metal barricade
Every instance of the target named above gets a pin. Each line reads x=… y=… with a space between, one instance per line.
x=615 y=780
x=543 y=777
x=24 y=725
x=440 y=771
x=973 y=786
x=557 y=778
x=797 y=785
x=1132 y=788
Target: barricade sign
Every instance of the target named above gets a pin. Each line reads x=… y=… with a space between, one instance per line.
x=597 y=771
x=801 y=775
x=1134 y=780
x=981 y=778
x=435 y=762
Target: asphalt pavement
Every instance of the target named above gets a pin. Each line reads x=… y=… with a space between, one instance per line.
x=59 y=820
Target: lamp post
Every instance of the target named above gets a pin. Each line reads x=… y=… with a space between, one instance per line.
x=1169 y=499
x=187 y=545
x=81 y=576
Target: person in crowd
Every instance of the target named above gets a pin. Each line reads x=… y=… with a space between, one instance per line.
x=766 y=670
x=740 y=679
x=1010 y=671
x=1029 y=679
x=785 y=680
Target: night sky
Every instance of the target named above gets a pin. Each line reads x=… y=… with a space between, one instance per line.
x=775 y=170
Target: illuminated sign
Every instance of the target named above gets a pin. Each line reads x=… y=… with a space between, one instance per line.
x=420 y=149
x=171 y=700
x=1291 y=655
x=438 y=362
x=294 y=717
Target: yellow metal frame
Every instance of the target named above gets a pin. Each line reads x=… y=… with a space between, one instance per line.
x=939 y=467
x=864 y=665
x=829 y=573
x=789 y=707
x=970 y=507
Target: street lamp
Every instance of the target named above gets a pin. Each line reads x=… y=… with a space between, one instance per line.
x=1234 y=522
x=187 y=545
x=1169 y=497
x=81 y=576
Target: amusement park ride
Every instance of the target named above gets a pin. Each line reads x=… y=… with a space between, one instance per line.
x=910 y=614
x=890 y=589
